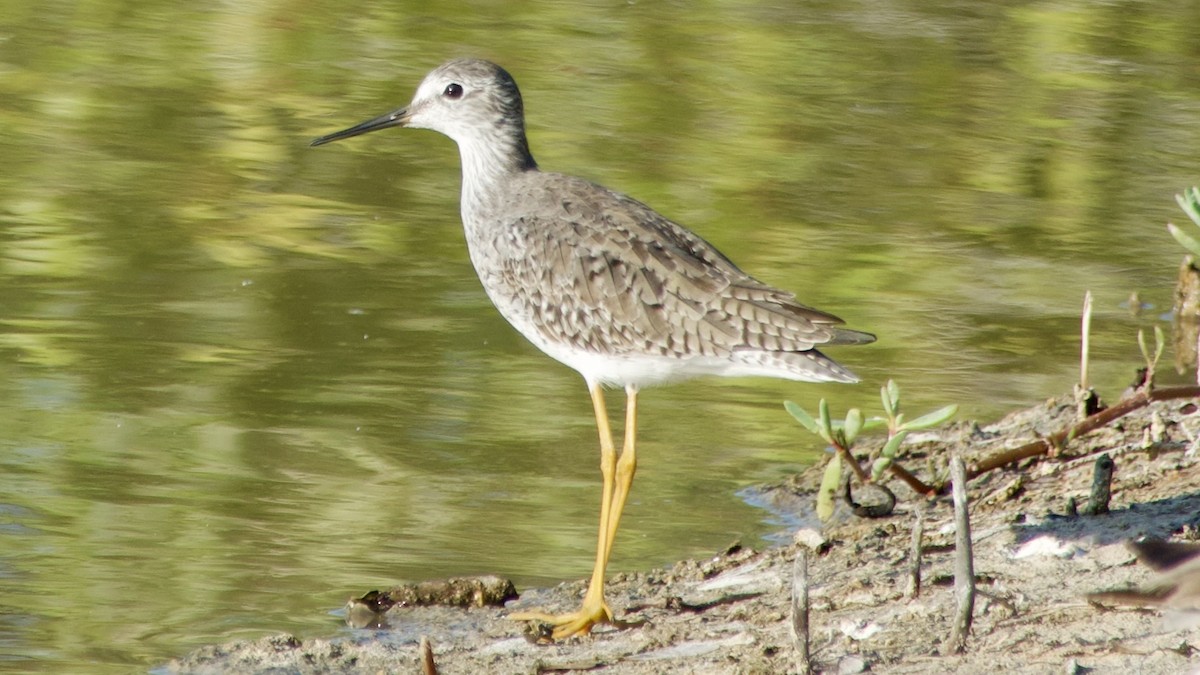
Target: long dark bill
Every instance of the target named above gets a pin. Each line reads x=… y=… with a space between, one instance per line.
x=397 y=118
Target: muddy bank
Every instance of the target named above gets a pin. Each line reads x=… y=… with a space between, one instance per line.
x=732 y=613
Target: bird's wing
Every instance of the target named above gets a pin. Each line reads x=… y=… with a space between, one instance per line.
x=609 y=270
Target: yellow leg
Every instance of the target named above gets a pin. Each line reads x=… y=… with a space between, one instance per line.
x=618 y=477
x=626 y=467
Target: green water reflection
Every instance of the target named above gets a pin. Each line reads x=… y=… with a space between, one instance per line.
x=241 y=379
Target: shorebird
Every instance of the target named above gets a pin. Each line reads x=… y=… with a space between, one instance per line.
x=1176 y=588
x=603 y=283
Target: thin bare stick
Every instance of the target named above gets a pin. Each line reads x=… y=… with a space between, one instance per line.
x=800 y=631
x=428 y=667
x=915 y=553
x=964 y=564
x=1101 y=486
x=1085 y=341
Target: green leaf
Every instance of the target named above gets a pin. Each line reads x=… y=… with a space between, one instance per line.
x=829 y=485
x=852 y=425
x=881 y=464
x=889 y=394
x=872 y=423
x=802 y=417
x=823 y=417
x=932 y=419
x=893 y=444
x=839 y=437
x=1159 y=343
x=1189 y=201
x=1185 y=239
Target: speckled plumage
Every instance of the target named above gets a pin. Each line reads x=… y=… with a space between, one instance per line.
x=602 y=282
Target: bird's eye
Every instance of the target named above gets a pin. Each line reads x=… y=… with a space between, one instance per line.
x=453 y=90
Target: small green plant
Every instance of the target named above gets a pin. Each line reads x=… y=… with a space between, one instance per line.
x=899 y=428
x=842 y=435
x=1189 y=201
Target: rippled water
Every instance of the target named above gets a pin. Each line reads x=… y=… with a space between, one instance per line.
x=242 y=379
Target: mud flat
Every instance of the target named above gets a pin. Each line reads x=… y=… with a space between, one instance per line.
x=1034 y=564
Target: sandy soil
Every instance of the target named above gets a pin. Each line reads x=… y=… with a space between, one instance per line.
x=732 y=614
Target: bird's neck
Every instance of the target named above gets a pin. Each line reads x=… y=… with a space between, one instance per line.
x=489 y=163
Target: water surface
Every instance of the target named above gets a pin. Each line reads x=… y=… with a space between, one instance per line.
x=242 y=379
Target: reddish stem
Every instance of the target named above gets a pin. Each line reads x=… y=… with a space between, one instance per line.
x=849 y=459
x=1058 y=439
x=912 y=481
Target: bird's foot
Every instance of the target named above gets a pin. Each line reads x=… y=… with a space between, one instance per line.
x=579 y=622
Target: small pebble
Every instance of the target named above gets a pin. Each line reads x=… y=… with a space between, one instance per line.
x=852 y=664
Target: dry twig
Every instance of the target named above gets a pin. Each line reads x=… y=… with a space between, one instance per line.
x=964 y=564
